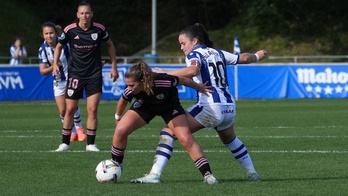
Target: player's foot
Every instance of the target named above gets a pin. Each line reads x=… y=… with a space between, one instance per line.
x=81 y=136
x=148 y=179
x=210 y=179
x=62 y=147
x=92 y=148
x=73 y=137
x=254 y=177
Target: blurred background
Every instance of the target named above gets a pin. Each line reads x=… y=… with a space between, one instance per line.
x=287 y=27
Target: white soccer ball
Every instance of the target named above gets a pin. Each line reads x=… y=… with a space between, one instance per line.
x=108 y=171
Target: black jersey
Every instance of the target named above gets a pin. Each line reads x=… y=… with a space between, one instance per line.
x=85 y=51
x=165 y=93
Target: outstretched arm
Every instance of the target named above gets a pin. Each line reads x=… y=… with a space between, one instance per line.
x=199 y=87
x=246 y=58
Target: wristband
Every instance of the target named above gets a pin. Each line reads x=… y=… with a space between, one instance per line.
x=257 y=57
x=117 y=117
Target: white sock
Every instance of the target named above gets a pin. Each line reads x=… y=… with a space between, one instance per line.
x=163 y=153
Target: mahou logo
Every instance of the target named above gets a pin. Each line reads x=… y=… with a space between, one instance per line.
x=325 y=82
x=327 y=77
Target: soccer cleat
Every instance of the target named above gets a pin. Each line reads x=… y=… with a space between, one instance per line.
x=81 y=136
x=254 y=177
x=92 y=148
x=147 y=179
x=62 y=147
x=73 y=137
x=210 y=179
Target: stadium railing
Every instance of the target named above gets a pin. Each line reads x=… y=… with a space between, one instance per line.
x=181 y=59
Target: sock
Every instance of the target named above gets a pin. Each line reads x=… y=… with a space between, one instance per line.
x=73 y=130
x=241 y=154
x=91 y=133
x=66 y=136
x=77 y=118
x=61 y=118
x=203 y=165
x=163 y=152
x=117 y=154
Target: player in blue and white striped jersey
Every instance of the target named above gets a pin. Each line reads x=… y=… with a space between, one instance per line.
x=207 y=64
x=46 y=52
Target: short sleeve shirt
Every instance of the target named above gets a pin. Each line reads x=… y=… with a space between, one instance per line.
x=85 y=49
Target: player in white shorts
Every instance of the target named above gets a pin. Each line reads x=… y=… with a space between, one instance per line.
x=49 y=34
x=217 y=111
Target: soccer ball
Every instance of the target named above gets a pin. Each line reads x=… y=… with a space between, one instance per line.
x=108 y=171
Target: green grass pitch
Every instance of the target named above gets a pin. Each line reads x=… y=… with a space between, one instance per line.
x=299 y=147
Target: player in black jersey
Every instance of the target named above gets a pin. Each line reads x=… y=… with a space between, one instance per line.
x=84 y=71
x=155 y=94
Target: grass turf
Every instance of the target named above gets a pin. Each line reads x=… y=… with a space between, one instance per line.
x=299 y=147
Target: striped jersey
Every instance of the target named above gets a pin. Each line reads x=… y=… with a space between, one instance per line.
x=46 y=54
x=212 y=65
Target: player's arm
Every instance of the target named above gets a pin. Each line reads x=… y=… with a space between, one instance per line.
x=57 y=52
x=112 y=53
x=246 y=58
x=187 y=72
x=44 y=70
x=199 y=87
x=121 y=106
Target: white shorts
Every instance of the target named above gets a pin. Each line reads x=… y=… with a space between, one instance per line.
x=219 y=117
x=59 y=88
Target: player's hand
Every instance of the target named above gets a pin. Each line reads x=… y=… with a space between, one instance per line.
x=159 y=70
x=205 y=89
x=55 y=71
x=114 y=74
x=263 y=54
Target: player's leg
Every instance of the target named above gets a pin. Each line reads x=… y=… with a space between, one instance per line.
x=69 y=103
x=79 y=131
x=93 y=92
x=130 y=122
x=180 y=128
x=239 y=151
x=164 y=151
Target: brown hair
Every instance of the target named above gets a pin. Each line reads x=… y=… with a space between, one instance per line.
x=141 y=72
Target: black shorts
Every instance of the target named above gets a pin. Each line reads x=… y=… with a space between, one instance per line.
x=148 y=112
x=75 y=87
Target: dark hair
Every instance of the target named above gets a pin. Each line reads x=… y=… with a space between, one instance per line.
x=49 y=24
x=83 y=3
x=141 y=72
x=199 y=32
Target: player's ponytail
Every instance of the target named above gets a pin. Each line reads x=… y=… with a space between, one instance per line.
x=200 y=33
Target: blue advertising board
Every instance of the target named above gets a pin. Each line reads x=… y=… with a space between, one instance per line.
x=253 y=81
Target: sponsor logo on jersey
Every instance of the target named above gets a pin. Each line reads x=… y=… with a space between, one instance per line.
x=94 y=36
x=70 y=92
x=160 y=96
x=195 y=63
x=137 y=104
x=77 y=37
x=175 y=112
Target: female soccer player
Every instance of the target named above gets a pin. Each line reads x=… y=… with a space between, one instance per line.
x=85 y=71
x=206 y=64
x=155 y=94
x=46 y=52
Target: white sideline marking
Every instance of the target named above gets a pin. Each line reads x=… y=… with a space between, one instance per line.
x=183 y=151
x=196 y=136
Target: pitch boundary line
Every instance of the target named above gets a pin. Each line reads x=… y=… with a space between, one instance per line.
x=183 y=151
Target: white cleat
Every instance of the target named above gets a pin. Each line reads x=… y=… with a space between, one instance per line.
x=148 y=179
x=210 y=179
x=92 y=148
x=254 y=177
x=63 y=147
